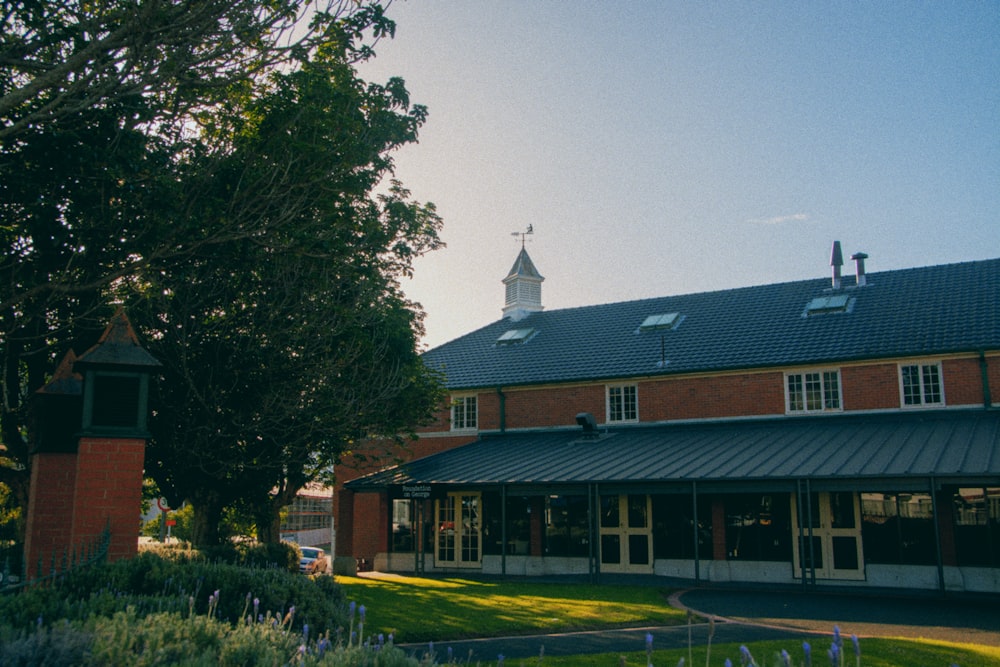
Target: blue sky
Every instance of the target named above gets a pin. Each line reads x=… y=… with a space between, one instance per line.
x=667 y=147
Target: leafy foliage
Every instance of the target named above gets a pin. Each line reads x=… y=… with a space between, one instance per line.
x=181 y=582
x=217 y=174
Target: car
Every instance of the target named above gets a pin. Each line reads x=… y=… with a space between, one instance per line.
x=313 y=561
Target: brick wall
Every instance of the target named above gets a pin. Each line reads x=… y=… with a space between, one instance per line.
x=50 y=512
x=963 y=381
x=758 y=393
x=993 y=373
x=74 y=497
x=742 y=394
x=552 y=406
x=109 y=492
x=874 y=387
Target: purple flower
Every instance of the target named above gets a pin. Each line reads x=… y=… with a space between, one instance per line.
x=728 y=663
x=305 y=632
x=449 y=655
x=785 y=658
x=500 y=660
x=834 y=654
x=857 y=645
x=351 y=607
x=649 y=641
x=808 y=651
x=361 y=613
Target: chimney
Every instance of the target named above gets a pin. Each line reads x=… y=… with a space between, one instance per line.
x=836 y=261
x=859 y=258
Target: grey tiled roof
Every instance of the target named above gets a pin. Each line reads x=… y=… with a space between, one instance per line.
x=953 y=446
x=910 y=312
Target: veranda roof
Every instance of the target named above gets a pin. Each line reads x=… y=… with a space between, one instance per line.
x=956 y=446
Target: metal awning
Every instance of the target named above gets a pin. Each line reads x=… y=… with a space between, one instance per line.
x=955 y=446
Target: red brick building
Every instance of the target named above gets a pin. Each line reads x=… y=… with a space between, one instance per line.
x=841 y=430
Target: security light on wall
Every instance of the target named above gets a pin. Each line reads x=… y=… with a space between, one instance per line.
x=587 y=421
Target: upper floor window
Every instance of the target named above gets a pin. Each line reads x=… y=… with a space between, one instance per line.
x=464 y=413
x=813 y=391
x=623 y=404
x=920 y=384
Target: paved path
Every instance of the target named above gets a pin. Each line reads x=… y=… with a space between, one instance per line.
x=747 y=616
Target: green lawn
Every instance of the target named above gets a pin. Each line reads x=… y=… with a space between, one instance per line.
x=874 y=653
x=418 y=609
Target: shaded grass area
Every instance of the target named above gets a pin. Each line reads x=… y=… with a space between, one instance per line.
x=416 y=609
x=874 y=653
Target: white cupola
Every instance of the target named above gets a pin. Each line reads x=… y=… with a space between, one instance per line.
x=523 y=293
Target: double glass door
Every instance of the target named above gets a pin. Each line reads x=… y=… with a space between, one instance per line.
x=458 y=527
x=626 y=534
x=828 y=536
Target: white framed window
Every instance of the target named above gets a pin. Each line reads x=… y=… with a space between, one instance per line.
x=813 y=391
x=623 y=403
x=464 y=413
x=920 y=384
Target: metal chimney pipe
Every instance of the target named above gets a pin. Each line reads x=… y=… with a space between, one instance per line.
x=859 y=258
x=836 y=261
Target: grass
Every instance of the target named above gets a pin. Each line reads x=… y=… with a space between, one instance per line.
x=874 y=653
x=418 y=609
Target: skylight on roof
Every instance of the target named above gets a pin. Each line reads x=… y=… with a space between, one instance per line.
x=836 y=303
x=515 y=336
x=661 y=321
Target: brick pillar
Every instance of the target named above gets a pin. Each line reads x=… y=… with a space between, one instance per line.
x=345 y=523
x=109 y=493
x=946 y=527
x=50 y=511
x=88 y=443
x=536 y=524
x=718 y=529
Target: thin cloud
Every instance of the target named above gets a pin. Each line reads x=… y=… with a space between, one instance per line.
x=780 y=219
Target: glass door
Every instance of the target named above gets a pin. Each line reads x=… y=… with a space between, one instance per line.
x=626 y=534
x=828 y=536
x=458 y=530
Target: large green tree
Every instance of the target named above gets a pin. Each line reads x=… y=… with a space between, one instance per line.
x=276 y=369
x=215 y=170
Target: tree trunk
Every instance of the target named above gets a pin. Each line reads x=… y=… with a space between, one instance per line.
x=269 y=524
x=207 y=517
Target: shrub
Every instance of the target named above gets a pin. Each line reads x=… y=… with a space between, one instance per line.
x=60 y=644
x=151 y=584
x=127 y=638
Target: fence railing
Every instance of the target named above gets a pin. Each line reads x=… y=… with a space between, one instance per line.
x=86 y=555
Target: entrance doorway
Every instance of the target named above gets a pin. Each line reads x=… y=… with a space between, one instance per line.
x=626 y=534
x=827 y=536
x=458 y=528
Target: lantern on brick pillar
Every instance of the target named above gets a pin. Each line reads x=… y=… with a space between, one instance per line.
x=89 y=451
x=116 y=375
x=112 y=444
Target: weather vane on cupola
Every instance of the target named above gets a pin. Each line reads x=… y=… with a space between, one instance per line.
x=528 y=232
